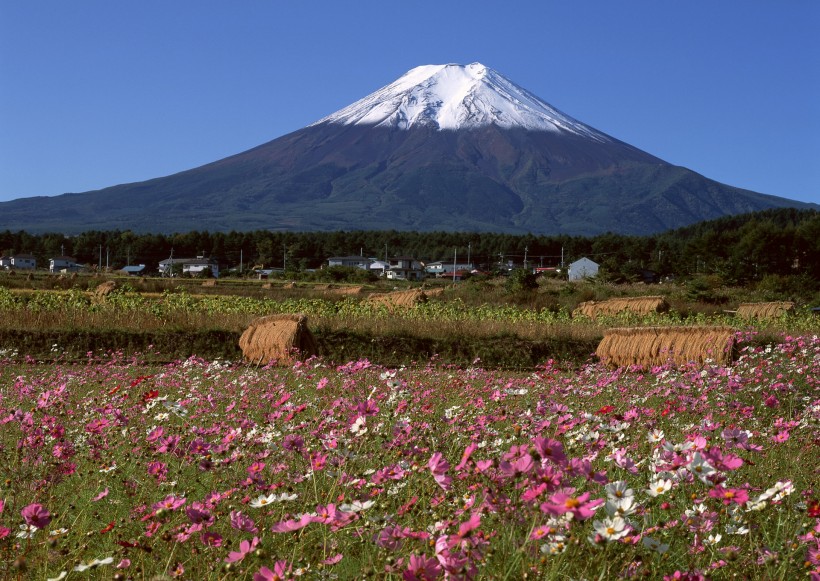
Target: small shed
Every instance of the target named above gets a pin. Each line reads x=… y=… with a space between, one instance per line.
x=583 y=268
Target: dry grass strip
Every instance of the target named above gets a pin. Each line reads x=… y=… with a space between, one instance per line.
x=637 y=305
x=281 y=338
x=652 y=346
x=764 y=310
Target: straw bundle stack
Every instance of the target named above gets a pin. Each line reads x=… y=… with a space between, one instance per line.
x=346 y=290
x=637 y=305
x=649 y=346
x=399 y=299
x=764 y=310
x=434 y=292
x=105 y=289
x=209 y=282
x=282 y=338
x=267 y=285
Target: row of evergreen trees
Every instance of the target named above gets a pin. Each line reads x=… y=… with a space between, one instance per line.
x=740 y=249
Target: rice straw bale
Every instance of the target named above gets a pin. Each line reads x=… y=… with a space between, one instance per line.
x=764 y=310
x=105 y=289
x=282 y=338
x=637 y=305
x=653 y=346
x=399 y=299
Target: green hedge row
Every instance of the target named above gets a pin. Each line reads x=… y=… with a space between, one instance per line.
x=508 y=352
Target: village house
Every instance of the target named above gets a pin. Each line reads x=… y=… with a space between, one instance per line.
x=23 y=262
x=189 y=266
x=405 y=268
x=5 y=261
x=350 y=261
x=134 y=269
x=443 y=268
x=583 y=268
x=63 y=264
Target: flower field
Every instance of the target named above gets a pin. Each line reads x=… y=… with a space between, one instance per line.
x=195 y=470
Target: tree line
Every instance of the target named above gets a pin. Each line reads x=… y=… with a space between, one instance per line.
x=741 y=249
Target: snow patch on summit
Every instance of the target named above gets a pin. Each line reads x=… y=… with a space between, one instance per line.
x=451 y=97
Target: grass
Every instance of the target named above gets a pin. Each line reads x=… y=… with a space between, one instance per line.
x=418 y=472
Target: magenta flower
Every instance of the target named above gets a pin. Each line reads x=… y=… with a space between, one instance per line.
x=245 y=547
x=279 y=573
x=170 y=502
x=438 y=466
x=199 y=514
x=242 y=522
x=210 y=539
x=730 y=495
x=421 y=568
x=36 y=516
x=290 y=525
x=562 y=502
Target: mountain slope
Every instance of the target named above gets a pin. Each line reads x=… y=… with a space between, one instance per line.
x=445 y=147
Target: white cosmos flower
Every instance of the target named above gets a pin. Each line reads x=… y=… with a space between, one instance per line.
x=263 y=500
x=618 y=490
x=611 y=528
x=621 y=506
x=62 y=575
x=655 y=545
x=94 y=563
x=356 y=506
x=712 y=540
x=659 y=486
x=700 y=467
x=654 y=436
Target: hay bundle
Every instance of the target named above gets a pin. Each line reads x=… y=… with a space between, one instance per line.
x=636 y=305
x=267 y=285
x=209 y=282
x=399 y=299
x=764 y=310
x=282 y=338
x=347 y=290
x=105 y=289
x=323 y=287
x=289 y=285
x=650 y=346
x=434 y=292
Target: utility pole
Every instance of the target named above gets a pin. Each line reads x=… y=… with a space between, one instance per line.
x=99 y=264
x=455 y=260
x=106 y=258
x=469 y=248
x=525 y=257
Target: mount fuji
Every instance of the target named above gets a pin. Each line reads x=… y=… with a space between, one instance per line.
x=444 y=147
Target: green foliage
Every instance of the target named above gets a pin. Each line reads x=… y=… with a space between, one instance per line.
x=521 y=280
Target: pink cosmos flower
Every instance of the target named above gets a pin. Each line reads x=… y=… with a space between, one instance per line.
x=100 y=496
x=170 y=502
x=36 y=515
x=211 y=539
x=421 y=568
x=562 y=502
x=438 y=466
x=729 y=495
x=279 y=572
x=290 y=525
x=245 y=547
x=199 y=514
x=242 y=522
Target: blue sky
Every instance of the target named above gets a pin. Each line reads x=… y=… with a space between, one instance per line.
x=97 y=93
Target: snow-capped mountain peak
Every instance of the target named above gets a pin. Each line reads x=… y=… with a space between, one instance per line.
x=457 y=97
